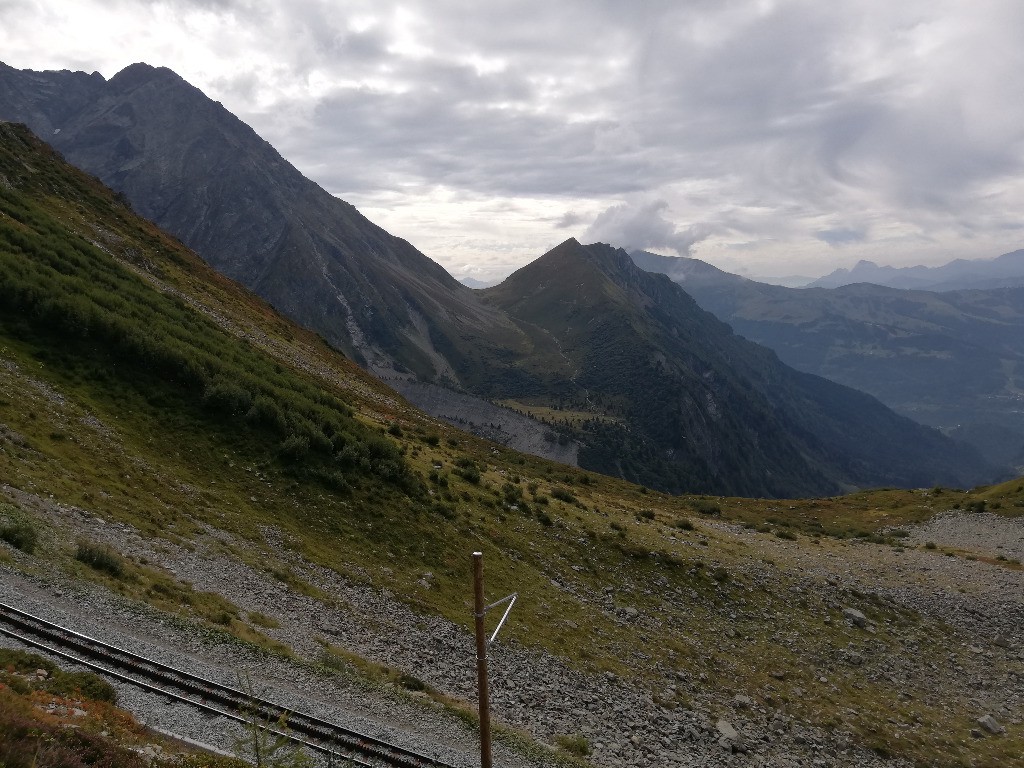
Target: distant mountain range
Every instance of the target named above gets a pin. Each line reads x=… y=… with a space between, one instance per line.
x=953 y=359
x=594 y=350
x=1006 y=271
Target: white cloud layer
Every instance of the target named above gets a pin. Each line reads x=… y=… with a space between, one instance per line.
x=766 y=136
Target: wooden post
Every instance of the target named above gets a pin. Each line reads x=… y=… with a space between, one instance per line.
x=481 y=659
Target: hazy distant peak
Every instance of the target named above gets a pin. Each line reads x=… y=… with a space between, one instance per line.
x=1006 y=270
x=684 y=269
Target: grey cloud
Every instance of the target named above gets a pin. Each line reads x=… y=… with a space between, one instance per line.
x=841 y=236
x=568 y=219
x=761 y=120
x=643 y=225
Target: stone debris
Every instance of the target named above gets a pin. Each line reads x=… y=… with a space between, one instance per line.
x=991 y=725
x=855 y=617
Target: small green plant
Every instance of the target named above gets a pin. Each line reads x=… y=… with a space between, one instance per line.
x=411 y=683
x=265 y=742
x=683 y=524
x=575 y=744
x=262 y=620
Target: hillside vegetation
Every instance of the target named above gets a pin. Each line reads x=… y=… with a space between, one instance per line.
x=140 y=388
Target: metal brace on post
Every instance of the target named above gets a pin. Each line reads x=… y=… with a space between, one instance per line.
x=482 y=643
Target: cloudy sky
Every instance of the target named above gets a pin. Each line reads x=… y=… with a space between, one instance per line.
x=769 y=137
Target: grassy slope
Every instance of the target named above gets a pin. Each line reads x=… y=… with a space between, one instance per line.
x=92 y=421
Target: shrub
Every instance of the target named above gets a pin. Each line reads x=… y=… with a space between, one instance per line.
x=683 y=524
x=411 y=683
x=227 y=397
x=705 y=507
x=85 y=683
x=563 y=494
x=294 y=447
x=21 y=536
x=100 y=558
x=513 y=493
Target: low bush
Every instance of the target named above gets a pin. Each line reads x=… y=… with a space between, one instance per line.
x=100 y=558
x=469 y=473
x=21 y=536
x=576 y=744
x=705 y=507
x=563 y=494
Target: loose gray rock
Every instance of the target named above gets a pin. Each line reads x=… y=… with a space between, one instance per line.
x=991 y=725
x=727 y=730
x=855 y=617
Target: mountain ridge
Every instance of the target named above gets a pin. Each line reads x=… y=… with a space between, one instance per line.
x=949 y=359
x=197 y=170
x=618 y=342
x=1004 y=271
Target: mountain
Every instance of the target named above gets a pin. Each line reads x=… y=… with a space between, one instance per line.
x=661 y=392
x=200 y=173
x=1006 y=271
x=951 y=360
x=186 y=473
x=190 y=166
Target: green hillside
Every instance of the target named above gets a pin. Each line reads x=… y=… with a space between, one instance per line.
x=138 y=386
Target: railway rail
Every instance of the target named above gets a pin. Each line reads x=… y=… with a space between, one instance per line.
x=335 y=742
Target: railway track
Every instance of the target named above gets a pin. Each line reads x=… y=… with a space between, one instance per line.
x=335 y=742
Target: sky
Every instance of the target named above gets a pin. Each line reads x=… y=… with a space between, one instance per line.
x=768 y=137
